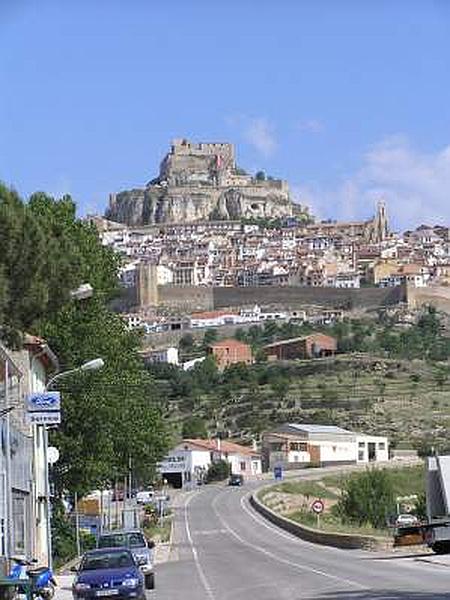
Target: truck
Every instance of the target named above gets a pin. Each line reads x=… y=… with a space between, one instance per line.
x=436 y=531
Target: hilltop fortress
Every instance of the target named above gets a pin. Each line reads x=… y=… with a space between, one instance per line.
x=200 y=182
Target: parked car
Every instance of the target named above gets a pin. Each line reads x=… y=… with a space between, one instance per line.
x=108 y=572
x=236 y=480
x=145 y=497
x=135 y=541
x=406 y=519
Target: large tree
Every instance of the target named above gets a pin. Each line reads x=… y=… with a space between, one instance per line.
x=111 y=418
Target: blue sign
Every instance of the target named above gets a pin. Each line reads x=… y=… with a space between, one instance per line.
x=44 y=408
x=278 y=473
x=44 y=402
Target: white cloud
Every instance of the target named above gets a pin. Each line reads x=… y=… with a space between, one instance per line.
x=415 y=185
x=259 y=132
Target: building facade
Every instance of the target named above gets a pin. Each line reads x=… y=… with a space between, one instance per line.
x=294 y=446
x=189 y=461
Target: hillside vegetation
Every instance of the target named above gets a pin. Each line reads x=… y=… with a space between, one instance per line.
x=388 y=379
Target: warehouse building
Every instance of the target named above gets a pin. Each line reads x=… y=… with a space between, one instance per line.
x=294 y=446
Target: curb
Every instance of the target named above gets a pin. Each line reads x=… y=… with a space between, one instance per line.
x=325 y=538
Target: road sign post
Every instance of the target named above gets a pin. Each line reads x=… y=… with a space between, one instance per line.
x=278 y=473
x=318 y=507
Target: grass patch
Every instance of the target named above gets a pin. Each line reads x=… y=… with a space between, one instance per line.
x=305 y=488
x=331 y=523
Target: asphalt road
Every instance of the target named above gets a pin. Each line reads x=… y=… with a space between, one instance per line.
x=223 y=550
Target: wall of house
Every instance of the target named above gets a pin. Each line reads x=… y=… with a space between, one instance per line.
x=381 y=448
x=334 y=451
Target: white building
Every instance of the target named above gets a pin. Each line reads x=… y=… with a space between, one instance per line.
x=296 y=445
x=162 y=355
x=189 y=461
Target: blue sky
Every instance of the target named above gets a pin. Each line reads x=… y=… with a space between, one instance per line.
x=347 y=100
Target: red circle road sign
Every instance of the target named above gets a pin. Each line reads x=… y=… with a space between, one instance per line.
x=317 y=506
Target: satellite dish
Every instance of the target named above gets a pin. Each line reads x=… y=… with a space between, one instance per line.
x=52 y=455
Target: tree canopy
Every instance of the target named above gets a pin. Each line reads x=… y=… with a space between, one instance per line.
x=111 y=418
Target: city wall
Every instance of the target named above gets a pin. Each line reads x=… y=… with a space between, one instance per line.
x=191 y=299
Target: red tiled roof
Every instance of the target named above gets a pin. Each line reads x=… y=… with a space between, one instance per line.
x=225 y=446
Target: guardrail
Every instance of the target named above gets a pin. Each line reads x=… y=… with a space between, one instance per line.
x=326 y=538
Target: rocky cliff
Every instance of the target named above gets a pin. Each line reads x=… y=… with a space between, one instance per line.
x=199 y=182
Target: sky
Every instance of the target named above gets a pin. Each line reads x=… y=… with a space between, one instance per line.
x=347 y=100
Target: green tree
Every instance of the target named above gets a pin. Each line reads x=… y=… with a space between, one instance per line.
x=209 y=337
x=194 y=427
x=367 y=498
x=218 y=471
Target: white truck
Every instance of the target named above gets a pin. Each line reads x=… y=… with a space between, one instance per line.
x=437 y=529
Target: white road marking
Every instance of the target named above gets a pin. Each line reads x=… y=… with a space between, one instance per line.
x=279 y=558
x=200 y=570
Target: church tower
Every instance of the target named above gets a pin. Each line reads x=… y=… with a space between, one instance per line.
x=380 y=224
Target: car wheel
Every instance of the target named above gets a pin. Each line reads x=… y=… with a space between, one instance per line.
x=441 y=547
x=150 y=581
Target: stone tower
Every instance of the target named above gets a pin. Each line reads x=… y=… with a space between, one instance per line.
x=380 y=224
x=147 y=285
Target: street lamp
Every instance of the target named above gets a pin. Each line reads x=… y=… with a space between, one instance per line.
x=91 y=365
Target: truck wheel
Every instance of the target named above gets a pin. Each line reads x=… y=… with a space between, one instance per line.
x=441 y=547
x=150 y=581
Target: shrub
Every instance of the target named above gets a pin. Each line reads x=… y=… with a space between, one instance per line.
x=367 y=498
x=218 y=471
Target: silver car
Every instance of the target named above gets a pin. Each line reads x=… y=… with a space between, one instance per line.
x=142 y=550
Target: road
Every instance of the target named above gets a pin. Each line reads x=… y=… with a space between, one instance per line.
x=223 y=550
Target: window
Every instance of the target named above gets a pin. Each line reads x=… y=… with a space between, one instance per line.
x=298 y=446
x=361 y=444
x=361 y=455
x=18 y=505
x=243 y=466
x=381 y=446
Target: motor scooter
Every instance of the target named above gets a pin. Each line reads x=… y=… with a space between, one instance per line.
x=42 y=580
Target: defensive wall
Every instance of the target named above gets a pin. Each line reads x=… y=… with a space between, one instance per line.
x=191 y=298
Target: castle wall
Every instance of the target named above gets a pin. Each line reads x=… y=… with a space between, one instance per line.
x=190 y=298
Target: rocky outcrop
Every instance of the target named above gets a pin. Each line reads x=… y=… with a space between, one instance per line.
x=199 y=182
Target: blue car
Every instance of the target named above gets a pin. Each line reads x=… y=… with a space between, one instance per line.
x=108 y=573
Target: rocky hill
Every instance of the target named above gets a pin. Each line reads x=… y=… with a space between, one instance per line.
x=199 y=182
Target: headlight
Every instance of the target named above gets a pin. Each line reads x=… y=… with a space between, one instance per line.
x=80 y=587
x=143 y=559
x=130 y=582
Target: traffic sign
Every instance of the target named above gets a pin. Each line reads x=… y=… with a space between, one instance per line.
x=278 y=473
x=317 y=506
x=52 y=455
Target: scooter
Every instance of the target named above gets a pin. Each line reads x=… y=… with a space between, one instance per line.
x=43 y=582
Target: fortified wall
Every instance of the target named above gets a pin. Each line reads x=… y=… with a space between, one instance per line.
x=191 y=299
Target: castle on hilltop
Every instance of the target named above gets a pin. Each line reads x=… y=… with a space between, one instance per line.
x=199 y=182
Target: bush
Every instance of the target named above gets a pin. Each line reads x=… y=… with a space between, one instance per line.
x=218 y=471
x=367 y=498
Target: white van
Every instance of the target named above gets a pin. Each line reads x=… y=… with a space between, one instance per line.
x=145 y=497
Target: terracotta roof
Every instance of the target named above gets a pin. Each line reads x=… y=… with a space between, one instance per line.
x=225 y=446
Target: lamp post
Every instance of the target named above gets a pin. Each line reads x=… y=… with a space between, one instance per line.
x=92 y=365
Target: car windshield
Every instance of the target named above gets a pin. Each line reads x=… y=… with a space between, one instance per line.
x=106 y=560
x=113 y=541
x=136 y=540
